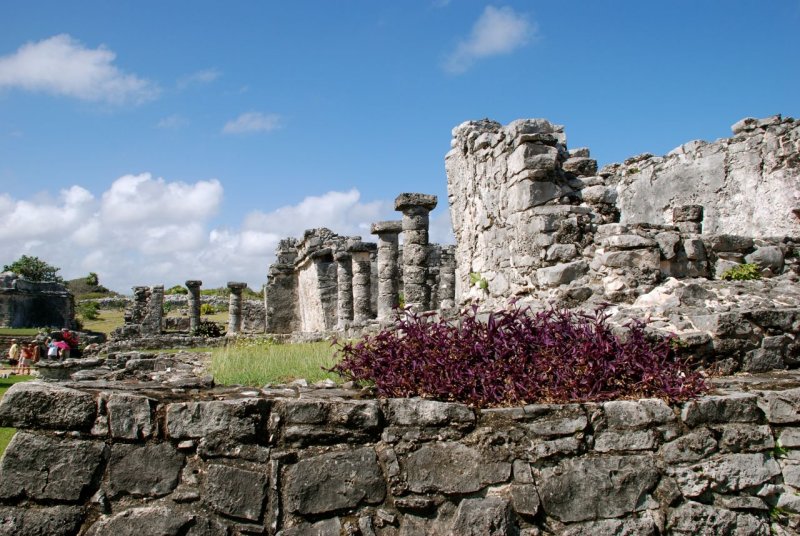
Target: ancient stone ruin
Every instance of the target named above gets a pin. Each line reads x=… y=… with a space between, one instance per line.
x=326 y=282
x=26 y=303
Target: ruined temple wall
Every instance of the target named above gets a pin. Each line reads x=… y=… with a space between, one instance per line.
x=122 y=462
x=34 y=304
x=533 y=218
x=748 y=184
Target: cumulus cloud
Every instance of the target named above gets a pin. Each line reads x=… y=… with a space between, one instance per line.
x=204 y=76
x=499 y=30
x=252 y=122
x=61 y=65
x=146 y=231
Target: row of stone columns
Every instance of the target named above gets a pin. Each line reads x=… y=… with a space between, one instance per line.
x=234 y=305
x=353 y=271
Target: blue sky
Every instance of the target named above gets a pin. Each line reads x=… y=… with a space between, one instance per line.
x=154 y=142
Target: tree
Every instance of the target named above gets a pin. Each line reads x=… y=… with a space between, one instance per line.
x=34 y=269
x=92 y=279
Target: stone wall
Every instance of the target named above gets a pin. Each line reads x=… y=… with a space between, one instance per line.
x=533 y=218
x=114 y=461
x=25 y=304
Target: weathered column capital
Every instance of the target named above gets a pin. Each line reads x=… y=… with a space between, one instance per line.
x=408 y=201
x=386 y=227
x=236 y=287
x=362 y=247
x=193 y=283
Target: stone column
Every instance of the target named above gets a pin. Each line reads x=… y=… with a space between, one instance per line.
x=362 y=310
x=447 y=278
x=415 y=209
x=194 y=303
x=388 y=274
x=344 y=282
x=235 y=307
x=154 y=315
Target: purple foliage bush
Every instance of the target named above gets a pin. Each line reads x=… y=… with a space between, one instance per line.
x=517 y=357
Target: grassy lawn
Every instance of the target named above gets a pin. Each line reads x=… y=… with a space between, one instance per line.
x=106 y=322
x=7 y=433
x=259 y=363
x=19 y=332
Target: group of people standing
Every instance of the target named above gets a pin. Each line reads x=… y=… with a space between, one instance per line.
x=58 y=346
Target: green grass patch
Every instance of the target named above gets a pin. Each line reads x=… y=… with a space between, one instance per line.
x=256 y=363
x=7 y=433
x=107 y=321
x=19 y=332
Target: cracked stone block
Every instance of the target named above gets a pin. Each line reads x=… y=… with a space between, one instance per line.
x=47 y=521
x=47 y=406
x=449 y=467
x=483 y=517
x=235 y=491
x=130 y=416
x=240 y=419
x=150 y=470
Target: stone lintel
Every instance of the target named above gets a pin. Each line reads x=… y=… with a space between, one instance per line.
x=324 y=252
x=342 y=256
x=409 y=200
x=236 y=286
x=386 y=227
x=359 y=247
x=193 y=283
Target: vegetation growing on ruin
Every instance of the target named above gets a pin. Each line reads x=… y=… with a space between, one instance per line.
x=34 y=269
x=177 y=289
x=261 y=361
x=741 y=272
x=517 y=357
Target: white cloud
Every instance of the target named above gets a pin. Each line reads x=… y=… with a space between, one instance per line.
x=252 y=122
x=499 y=30
x=61 y=65
x=172 y=122
x=205 y=76
x=148 y=231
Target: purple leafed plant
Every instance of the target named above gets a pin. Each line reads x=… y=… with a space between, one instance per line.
x=517 y=357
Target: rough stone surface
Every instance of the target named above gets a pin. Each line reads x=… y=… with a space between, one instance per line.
x=34 y=404
x=235 y=491
x=240 y=419
x=483 y=517
x=450 y=467
x=569 y=490
x=47 y=521
x=147 y=470
x=48 y=468
x=334 y=481
x=130 y=416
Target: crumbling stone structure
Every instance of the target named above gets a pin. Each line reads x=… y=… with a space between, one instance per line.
x=248 y=462
x=533 y=218
x=25 y=304
x=235 y=307
x=145 y=315
x=327 y=282
x=193 y=303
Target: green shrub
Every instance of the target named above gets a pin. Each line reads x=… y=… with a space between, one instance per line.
x=206 y=328
x=207 y=309
x=741 y=272
x=88 y=310
x=177 y=289
x=476 y=280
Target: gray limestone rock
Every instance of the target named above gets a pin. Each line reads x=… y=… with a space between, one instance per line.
x=160 y=520
x=333 y=481
x=630 y=414
x=693 y=519
x=326 y=527
x=599 y=194
x=739 y=407
x=452 y=468
x=569 y=491
x=767 y=258
x=130 y=416
x=549 y=420
x=236 y=492
x=690 y=447
x=422 y=412
x=781 y=407
x=688 y=213
x=561 y=274
x=525 y=499
x=613 y=527
x=144 y=470
x=612 y=440
x=580 y=166
x=48 y=406
x=48 y=468
x=47 y=521
x=240 y=419
x=721 y=243
x=627 y=241
x=641 y=259
x=482 y=517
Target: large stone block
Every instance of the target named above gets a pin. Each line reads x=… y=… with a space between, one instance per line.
x=48 y=521
x=561 y=274
x=236 y=492
x=550 y=420
x=644 y=526
x=690 y=447
x=46 y=468
x=452 y=468
x=160 y=520
x=483 y=517
x=49 y=406
x=781 y=407
x=241 y=419
x=333 y=481
x=144 y=470
x=629 y=414
x=641 y=259
x=535 y=157
x=130 y=416
x=739 y=407
x=421 y=412
x=583 y=489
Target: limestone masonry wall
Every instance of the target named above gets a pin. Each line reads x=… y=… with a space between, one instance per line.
x=303 y=461
x=26 y=303
x=532 y=218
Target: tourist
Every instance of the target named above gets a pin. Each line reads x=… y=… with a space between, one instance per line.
x=13 y=353
x=25 y=357
x=52 y=349
x=36 y=352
